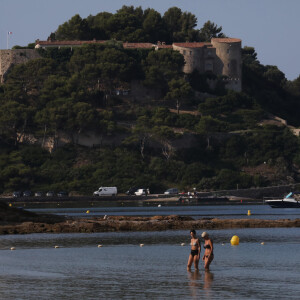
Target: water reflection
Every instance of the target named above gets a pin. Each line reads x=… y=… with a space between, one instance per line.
x=194 y=283
x=200 y=284
x=208 y=279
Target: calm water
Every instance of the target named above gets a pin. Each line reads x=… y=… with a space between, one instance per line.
x=121 y=269
x=219 y=211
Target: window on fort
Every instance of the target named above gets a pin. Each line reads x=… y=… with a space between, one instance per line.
x=228 y=50
x=183 y=52
x=208 y=53
x=190 y=52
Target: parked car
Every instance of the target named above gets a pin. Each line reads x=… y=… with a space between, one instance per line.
x=106 y=191
x=50 y=194
x=38 y=194
x=142 y=192
x=131 y=190
x=62 y=194
x=171 y=191
x=17 y=194
x=27 y=194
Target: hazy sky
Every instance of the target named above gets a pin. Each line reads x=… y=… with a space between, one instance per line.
x=270 y=26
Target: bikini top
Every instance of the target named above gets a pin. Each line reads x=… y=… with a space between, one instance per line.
x=194 y=244
x=206 y=246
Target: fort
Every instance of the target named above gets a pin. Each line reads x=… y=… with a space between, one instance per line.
x=222 y=56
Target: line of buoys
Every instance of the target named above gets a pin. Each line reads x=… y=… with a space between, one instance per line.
x=235 y=240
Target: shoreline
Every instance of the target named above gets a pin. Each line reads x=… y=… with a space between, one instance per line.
x=156 y=223
x=18 y=221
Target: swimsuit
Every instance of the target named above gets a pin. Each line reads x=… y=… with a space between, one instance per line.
x=194 y=252
x=206 y=246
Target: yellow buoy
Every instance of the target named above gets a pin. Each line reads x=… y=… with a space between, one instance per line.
x=10 y=205
x=235 y=240
x=99 y=246
x=141 y=245
x=87 y=211
x=182 y=244
x=12 y=248
x=249 y=213
x=56 y=247
x=262 y=243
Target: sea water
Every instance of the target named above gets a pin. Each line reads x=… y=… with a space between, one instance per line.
x=265 y=265
x=199 y=211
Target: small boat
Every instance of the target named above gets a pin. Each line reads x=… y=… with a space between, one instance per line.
x=291 y=200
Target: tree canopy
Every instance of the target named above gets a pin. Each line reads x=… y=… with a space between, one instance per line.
x=133 y=24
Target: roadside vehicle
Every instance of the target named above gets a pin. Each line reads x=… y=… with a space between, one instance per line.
x=50 y=194
x=106 y=191
x=142 y=192
x=62 y=194
x=171 y=191
x=38 y=194
x=17 y=194
x=27 y=194
x=131 y=190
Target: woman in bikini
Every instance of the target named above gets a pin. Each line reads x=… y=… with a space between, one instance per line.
x=195 y=251
x=209 y=251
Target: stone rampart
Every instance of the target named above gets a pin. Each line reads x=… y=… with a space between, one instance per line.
x=8 y=58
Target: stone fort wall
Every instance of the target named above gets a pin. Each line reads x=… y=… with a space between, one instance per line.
x=221 y=57
x=8 y=58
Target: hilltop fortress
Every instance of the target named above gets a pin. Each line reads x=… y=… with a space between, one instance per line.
x=222 y=56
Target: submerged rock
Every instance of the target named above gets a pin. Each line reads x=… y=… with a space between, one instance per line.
x=17 y=221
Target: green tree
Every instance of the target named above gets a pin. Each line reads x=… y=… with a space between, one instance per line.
x=153 y=26
x=161 y=67
x=74 y=29
x=179 y=91
x=210 y=30
x=14 y=118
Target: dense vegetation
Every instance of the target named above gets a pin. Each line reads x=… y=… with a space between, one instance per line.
x=74 y=91
x=137 y=25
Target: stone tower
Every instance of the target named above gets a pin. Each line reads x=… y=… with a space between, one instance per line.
x=228 y=61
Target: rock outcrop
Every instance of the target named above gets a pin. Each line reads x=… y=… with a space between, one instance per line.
x=16 y=221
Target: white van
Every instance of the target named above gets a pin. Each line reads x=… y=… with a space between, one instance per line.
x=106 y=191
x=142 y=192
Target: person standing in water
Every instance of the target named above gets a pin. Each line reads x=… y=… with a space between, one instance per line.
x=195 y=251
x=209 y=250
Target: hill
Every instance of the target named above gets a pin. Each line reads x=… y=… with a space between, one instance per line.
x=121 y=117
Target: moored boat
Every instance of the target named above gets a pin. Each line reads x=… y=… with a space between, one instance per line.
x=291 y=200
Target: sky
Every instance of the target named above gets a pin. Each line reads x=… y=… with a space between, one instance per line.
x=270 y=26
